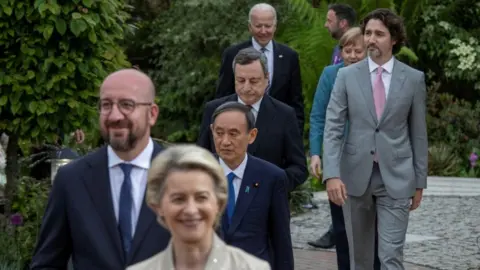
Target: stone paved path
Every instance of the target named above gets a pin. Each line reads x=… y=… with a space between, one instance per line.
x=326 y=260
x=444 y=233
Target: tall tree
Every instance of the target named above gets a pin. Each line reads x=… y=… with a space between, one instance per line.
x=54 y=55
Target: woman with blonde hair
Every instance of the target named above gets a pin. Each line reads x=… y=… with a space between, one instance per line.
x=187 y=190
x=352 y=49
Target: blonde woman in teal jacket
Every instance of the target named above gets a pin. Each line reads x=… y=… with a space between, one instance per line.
x=352 y=50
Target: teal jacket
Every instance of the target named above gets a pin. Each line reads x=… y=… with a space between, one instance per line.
x=319 y=107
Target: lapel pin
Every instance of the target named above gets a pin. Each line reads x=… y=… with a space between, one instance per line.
x=255 y=185
x=280 y=56
x=247 y=189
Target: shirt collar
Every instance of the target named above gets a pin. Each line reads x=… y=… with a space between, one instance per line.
x=255 y=106
x=257 y=46
x=239 y=171
x=388 y=66
x=141 y=161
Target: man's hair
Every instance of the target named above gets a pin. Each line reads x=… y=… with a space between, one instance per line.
x=249 y=55
x=392 y=22
x=344 y=12
x=237 y=107
x=263 y=7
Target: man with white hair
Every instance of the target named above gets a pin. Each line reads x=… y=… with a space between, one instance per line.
x=283 y=65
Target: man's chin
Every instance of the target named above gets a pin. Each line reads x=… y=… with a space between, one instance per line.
x=120 y=145
x=374 y=53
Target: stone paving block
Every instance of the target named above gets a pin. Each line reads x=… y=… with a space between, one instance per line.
x=443 y=233
x=326 y=260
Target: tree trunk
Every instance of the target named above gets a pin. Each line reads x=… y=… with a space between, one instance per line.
x=12 y=172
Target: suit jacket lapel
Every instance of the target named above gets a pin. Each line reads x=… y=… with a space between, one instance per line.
x=265 y=118
x=365 y=83
x=97 y=181
x=146 y=218
x=396 y=84
x=245 y=195
x=277 y=65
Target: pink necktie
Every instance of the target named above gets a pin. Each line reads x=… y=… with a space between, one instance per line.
x=379 y=99
x=379 y=93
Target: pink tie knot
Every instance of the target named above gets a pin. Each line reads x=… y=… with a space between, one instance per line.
x=379 y=70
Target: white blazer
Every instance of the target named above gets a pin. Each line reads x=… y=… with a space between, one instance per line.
x=222 y=257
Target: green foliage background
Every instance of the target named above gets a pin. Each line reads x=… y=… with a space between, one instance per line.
x=54 y=58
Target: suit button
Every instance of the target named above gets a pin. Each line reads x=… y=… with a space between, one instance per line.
x=376 y=130
x=372 y=152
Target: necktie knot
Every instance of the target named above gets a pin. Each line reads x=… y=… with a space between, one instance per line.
x=379 y=70
x=126 y=168
x=231 y=177
x=263 y=49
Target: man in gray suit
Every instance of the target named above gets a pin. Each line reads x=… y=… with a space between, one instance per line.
x=382 y=162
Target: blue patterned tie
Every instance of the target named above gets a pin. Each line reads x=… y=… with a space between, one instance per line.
x=125 y=209
x=231 y=197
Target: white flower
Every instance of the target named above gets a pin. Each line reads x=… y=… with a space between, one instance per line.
x=445 y=25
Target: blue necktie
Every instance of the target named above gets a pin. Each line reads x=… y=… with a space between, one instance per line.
x=125 y=209
x=231 y=197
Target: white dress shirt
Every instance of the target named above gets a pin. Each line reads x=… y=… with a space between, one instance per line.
x=141 y=164
x=255 y=107
x=269 y=54
x=386 y=74
x=239 y=171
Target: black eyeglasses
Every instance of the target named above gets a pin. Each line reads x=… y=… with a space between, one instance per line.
x=125 y=106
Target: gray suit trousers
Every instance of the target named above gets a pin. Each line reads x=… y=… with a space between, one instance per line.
x=360 y=217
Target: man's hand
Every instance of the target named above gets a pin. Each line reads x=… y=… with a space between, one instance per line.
x=79 y=136
x=337 y=193
x=417 y=198
x=315 y=166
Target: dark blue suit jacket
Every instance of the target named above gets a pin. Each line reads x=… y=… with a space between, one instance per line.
x=278 y=141
x=79 y=221
x=286 y=84
x=261 y=220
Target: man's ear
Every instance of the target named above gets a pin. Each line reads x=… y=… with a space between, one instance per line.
x=343 y=24
x=252 y=135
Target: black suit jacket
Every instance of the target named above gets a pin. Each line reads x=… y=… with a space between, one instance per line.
x=261 y=221
x=278 y=139
x=286 y=84
x=79 y=220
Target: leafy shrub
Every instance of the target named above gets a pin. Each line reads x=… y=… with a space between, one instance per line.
x=10 y=265
x=300 y=197
x=446 y=39
x=453 y=122
x=443 y=161
x=54 y=56
x=18 y=233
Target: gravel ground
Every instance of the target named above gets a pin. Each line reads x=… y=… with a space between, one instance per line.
x=455 y=220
